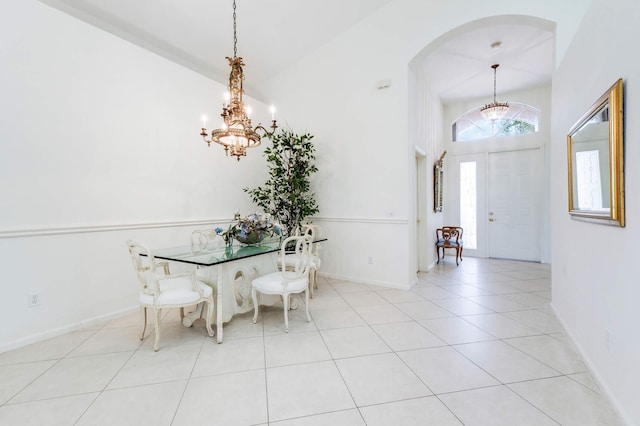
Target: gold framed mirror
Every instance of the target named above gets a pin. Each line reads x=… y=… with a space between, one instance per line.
x=595 y=153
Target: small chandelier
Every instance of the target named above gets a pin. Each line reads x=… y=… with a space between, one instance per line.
x=236 y=133
x=495 y=110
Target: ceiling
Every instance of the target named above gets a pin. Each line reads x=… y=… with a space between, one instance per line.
x=460 y=67
x=198 y=34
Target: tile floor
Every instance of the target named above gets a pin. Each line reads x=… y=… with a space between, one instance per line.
x=476 y=344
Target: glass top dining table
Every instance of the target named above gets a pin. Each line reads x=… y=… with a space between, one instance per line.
x=221 y=254
x=216 y=255
x=225 y=262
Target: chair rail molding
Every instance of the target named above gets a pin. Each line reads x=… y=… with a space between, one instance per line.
x=85 y=229
x=378 y=220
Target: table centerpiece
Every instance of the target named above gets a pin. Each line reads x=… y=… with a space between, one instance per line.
x=251 y=229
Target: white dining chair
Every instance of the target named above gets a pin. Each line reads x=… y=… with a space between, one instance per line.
x=293 y=279
x=311 y=232
x=205 y=239
x=159 y=289
x=315 y=231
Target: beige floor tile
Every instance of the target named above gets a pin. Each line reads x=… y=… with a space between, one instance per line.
x=51 y=349
x=149 y=367
x=455 y=330
x=381 y=314
x=73 y=376
x=51 y=412
x=337 y=318
x=230 y=399
x=353 y=341
x=418 y=412
x=306 y=389
x=402 y=336
x=14 y=378
x=504 y=362
x=434 y=293
x=501 y=326
x=446 y=370
x=375 y=379
x=537 y=319
x=465 y=290
x=342 y=418
x=273 y=320
x=328 y=303
x=242 y=327
x=423 y=310
x=294 y=348
x=567 y=402
x=497 y=303
x=173 y=333
x=364 y=298
x=556 y=354
x=150 y=404
x=400 y=296
x=231 y=356
x=462 y=306
x=494 y=406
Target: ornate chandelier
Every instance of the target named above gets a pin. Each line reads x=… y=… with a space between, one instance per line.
x=236 y=133
x=495 y=110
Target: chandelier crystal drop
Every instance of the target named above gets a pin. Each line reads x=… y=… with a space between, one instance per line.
x=236 y=133
x=495 y=110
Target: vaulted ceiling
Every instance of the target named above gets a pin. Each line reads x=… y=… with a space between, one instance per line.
x=198 y=34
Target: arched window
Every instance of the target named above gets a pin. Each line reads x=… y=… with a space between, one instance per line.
x=520 y=118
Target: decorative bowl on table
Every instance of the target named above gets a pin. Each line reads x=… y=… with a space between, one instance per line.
x=252 y=237
x=251 y=229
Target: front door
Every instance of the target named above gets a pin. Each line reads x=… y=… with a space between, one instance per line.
x=514 y=204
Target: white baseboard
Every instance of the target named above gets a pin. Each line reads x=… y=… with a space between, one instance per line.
x=624 y=416
x=39 y=337
x=388 y=284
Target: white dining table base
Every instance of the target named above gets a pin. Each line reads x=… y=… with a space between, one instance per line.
x=233 y=296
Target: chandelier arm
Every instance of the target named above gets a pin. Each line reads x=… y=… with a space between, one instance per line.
x=267 y=133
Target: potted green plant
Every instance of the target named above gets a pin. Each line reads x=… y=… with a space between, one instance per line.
x=286 y=195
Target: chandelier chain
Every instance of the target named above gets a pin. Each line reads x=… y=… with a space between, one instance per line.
x=235 y=36
x=495 y=68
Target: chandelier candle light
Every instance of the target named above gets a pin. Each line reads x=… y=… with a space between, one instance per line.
x=236 y=133
x=495 y=110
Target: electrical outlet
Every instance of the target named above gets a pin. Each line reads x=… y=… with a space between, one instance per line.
x=370 y=260
x=34 y=300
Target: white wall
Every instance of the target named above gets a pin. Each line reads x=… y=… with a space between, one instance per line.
x=361 y=138
x=595 y=283
x=100 y=143
x=365 y=150
x=425 y=125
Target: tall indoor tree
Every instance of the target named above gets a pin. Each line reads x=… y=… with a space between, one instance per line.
x=286 y=195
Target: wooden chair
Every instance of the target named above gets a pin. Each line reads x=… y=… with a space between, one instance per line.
x=450 y=237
